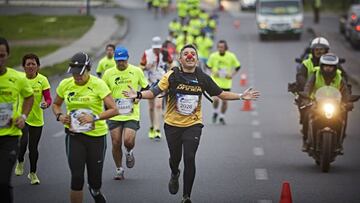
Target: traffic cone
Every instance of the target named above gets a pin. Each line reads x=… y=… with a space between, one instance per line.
x=246 y=106
x=243 y=79
x=285 y=193
x=236 y=24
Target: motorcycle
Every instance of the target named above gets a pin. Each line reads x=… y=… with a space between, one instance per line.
x=327 y=121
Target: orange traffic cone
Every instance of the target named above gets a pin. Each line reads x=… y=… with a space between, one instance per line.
x=236 y=24
x=243 y=79
x=246 y=106
x=285 y=193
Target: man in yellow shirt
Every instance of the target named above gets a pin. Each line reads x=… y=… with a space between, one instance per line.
x=223 y=65
x=107 y=62
x=13 y=113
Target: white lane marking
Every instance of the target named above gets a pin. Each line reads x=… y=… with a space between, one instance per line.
x=59 y=134
x=261 y=174
x=264 y=201
x=258 y=151
x=255 y=123
x=254 y=113
x=256 y=135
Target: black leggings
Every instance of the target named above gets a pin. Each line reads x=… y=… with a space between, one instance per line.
x=187 y=138
x=8 y=152
x=84 y=150
x=31 y=135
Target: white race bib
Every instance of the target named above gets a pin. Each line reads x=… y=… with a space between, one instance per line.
x=186 y=104
x=6 y=111
x=125 y=106
x=75 y=125
x=222 y=73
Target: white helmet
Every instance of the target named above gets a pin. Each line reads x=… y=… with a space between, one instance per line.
x=329 y=59
x=320 y=42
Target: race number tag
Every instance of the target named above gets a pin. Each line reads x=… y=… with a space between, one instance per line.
x=6 y=111
x=75 y=125
x=186 y=104
x=125 y=106
x=222 y=73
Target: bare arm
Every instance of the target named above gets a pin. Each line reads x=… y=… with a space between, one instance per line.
x=26 y=108
x=56 y=107
x=111 y=108
x=248 y=94
x=132 y=94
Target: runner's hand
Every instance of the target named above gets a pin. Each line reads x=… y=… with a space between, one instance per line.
x=44 y=105
x=64 y=119
x=85 y=118
x=250 y=94
x=131 y=93
x=20 y=122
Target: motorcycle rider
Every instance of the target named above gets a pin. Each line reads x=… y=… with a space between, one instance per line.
x=328 y=74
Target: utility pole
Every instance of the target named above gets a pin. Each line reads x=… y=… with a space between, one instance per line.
x=87 y=7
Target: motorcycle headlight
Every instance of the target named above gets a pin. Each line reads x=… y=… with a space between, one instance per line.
x=329 y=110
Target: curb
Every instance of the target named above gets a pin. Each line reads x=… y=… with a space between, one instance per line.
x=352 y=79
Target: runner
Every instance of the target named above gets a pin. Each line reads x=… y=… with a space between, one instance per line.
x=107 y=62
x=124 y=126
x=183 y=117
x=223 y=65
x=84 y=96
x=13 y=114
x=155 y=65
x=35 y=121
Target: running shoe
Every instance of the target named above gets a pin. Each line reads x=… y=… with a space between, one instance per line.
x=34 y=180
x=157 y=136
x=174 y=183
x=186 y=199
x=151 y=133
x=130 y=159
x=119 y=174
x=222 y=121
x=19 y=169
x=214 y=118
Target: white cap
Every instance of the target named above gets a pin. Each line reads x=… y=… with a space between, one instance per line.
x=156 y=42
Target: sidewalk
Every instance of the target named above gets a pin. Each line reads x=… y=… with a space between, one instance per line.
x=329 y=28
x=99 y=34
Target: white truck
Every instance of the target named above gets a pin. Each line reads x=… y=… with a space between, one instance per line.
x=279 y=17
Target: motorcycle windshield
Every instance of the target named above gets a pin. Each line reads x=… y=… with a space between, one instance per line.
x=327 y=93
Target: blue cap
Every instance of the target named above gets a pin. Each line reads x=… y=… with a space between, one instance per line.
x=121 y=53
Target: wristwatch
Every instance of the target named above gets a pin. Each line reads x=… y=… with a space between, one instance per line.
x=96 y=117
x=58 y=116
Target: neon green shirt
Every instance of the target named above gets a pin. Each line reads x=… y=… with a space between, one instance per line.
x=204 y=45
x=105 y=63
x=223 y=65
x=13 y=87
x=118 y=81
x=89 y=96
x=38 y=84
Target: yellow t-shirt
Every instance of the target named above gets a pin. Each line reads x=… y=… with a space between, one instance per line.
x=118 y=81
x=183 y=107
x=13 y=87
x=89 y=96
x=38 y=84
x=223 y=65
x=105 y=64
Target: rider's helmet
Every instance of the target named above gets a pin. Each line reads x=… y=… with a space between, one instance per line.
x=320 y=42
x=329 y=59
x=79 y=63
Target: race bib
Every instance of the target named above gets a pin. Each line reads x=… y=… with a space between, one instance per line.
x=75 y=125
x=186 y=104
x=125 y=106
x=222 y=73
x=6 y=111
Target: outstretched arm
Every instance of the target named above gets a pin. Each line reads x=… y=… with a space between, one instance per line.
x=248 y=94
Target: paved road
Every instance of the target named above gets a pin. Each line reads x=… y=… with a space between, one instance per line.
x=244 y=161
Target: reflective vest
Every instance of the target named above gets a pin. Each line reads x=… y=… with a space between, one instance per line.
x=309 y=66
x=320 y=81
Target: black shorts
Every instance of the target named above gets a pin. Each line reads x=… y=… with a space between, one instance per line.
x=132 y=124
x=226 y=89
